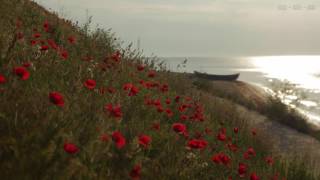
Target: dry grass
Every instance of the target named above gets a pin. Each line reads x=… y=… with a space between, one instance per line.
x=35 y=131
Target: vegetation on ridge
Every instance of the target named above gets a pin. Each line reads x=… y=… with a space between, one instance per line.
x=74 y=105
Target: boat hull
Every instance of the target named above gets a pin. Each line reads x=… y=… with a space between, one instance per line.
x=230 y=77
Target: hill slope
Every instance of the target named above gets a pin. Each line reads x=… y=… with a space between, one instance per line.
x=74 y=105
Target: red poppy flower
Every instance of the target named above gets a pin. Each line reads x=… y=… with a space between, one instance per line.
x=135 y=173
x=22 y=73
x=114 y=111
x=140 y=67
x=36 y=35
x=33 y=42
x=197 y=144
x=254 y=131
x=232 y=147
x=269 y=160
x=116 y=56
x=151 y=73
x=169 y=112
x=119 y=139
x=104 y=137
x=179 y=127
x=221 y=136
x=133 y=90
x=26 y=64
x=46 y=26
x=160 y=109
x=56 y=98
x=145 y=141
x=90 y=84
x=71 y=39
x=44 y=48
x=2 y=79
x=70 y=148
x=52 y=44
x=64 y=54
x=236 y=130
x=250 y=152
x=242 y=170
x=177 y=98
x=221 y=158
x=164 y=88
x=183 y=117
x=168 y=101
x=254 y=176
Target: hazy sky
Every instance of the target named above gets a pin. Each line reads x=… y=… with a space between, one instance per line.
x=205 y=27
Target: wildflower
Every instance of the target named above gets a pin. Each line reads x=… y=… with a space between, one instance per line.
x=254 y=176
x=26 y=64
x=160 y=109
x=104 y=137
x=71 y=39
x=22 y=72
x=242 y=170
x=164 y=88
x=133 y=90
x=44 y=48
x=197 y=144
x=169 y=112
x=140 y=67
x=232 y=147
x=46 y=26
x=135 y=173
x=221 y=158
x=151 y=74
x=222 y=135
x=168 y=101
x=36 y=35
x=90 y=84
x=183 y=117
x=236 y=130
x=114 y=111
x=118 y=138
x=52 y=44
x=176 y=99
x=56 y=98
x=249 y=152
x=144 y=141
x=179 y=127
x=33 y=42
x=64 y=54
x=269 y=160
x=116 y=56
x=2 y=79
x=254 y=131
x=70 y=148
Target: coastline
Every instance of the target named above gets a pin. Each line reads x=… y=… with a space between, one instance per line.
x=286 y=141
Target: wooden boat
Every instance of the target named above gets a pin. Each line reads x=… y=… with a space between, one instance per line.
x=229 y=77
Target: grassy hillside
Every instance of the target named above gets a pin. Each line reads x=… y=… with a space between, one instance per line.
x=74 y=105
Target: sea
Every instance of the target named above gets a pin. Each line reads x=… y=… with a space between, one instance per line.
x=295 y=79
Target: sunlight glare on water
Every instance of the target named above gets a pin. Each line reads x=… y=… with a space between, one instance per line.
x=300 y=70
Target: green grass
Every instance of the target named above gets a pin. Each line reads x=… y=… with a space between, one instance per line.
x=34 y=130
